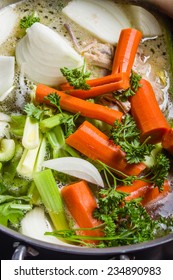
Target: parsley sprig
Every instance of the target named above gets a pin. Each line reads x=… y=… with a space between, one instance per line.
x=134 y=85
x=77 y=77
x=28 y=21
x=127 y=135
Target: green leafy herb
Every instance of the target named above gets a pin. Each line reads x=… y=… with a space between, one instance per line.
x=134 y=85
x=28 y=21
x=12 y=210
x=110 y=176
x=54 y=99
x=77 y=77
x=33 y=111
x=127 y=135
x=67 y=119
x=160 y=170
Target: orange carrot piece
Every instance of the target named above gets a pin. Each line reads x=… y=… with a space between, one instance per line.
x=81 y=203
x=76 y=105
x=126 y=50
x=138 y=189
x=147 y=114
x=167 y=141
x=94 y=144
x=99 y=90
x=119 y=81
x=153 y=193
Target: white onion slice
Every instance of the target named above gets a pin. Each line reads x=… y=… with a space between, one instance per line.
x=7 y=68
x=8 y=19
x=42 y=52
x=144 y=21
x=104 y=19
x=35 y=224
x=76 y=167
x=4 y=117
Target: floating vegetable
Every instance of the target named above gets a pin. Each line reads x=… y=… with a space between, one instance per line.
x=76 y=167
x=7 y=64
x=104 y=19
x=42 y=52
x=145 y=21
x=8 y=19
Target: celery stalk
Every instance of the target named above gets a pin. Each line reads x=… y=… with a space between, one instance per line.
x=30 y=139
x=57 y=141
x=51 y=122
x=51 y=198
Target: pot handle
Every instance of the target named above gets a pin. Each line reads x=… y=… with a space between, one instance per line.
x=21 y=252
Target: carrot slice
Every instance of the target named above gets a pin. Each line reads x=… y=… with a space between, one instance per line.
x=100 y=90
x=75 y=105
x=94 y=144
x=145 y=190
x=126 y=50
x=81 y=203
x=153 y=193
x=167 y=141
x=147 y=114
x=99 y=86
x=136 y=190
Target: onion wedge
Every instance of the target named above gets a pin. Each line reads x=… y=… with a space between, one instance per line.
x=76 y=167
x=7 y=68
x=104 y=19
x=42 y=52
x=8 y=19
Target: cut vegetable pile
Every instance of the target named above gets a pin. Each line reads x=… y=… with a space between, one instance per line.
x=85 y=149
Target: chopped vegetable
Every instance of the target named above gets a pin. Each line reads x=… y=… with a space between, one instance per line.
x=28 y=21
x=7 y=64
x=36 y=218
x=91 y=142
x=12 y=210
x=37 y=64
x=77 y=77
x=127 y=135
x=154 y=193
x=76 y=105
x=121 y=83
x=81 y=203
x=76 y=167
x=30 y=139
x=51 y=198
x=167 y=141
x=145 y=21
x=147 y=114
x=8 y=19
x=126 y=50
x=7 y=149
x=104 y=19
x=138 y=189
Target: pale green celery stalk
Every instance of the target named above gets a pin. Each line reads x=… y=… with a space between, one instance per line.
x=57 y=141
x=30 y=139
x=51 y=122
x=51 y=198
x=33 y=191
x=7 y=149
x=150 y=160
x=26 y=164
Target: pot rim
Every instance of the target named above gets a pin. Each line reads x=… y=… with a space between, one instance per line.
x=86 y=251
